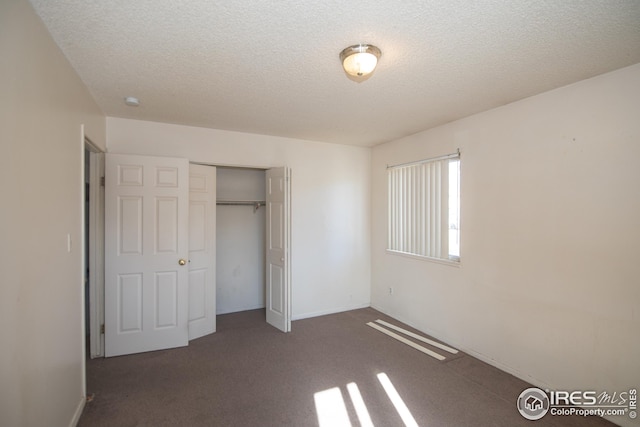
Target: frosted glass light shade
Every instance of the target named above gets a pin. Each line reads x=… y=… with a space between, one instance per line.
x=360 y=60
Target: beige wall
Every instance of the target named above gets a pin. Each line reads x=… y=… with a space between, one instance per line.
x=42 y=107
x=549 y=286
x=330 y=194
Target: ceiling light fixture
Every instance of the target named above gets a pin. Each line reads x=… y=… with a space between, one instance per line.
x=132 y=101
x=360 y=60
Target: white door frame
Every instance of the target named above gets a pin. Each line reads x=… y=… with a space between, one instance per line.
x=95 y=249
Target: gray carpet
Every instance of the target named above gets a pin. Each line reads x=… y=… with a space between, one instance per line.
x=250 y=374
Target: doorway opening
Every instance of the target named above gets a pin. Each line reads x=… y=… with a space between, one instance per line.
x=93 y=249
x=240 y=240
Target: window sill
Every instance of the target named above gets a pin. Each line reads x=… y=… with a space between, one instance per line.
x=448 y=262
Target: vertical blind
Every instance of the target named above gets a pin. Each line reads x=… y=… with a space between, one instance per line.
x=418 y=207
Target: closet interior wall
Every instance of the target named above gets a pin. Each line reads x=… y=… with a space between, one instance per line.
x=240 y=240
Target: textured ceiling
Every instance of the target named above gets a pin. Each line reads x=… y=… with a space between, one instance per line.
x=271 y=67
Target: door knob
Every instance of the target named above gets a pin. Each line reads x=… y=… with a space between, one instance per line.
x=182 y=261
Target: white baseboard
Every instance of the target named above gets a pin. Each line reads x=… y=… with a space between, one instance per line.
x=78 y=413
x=237 y=309
x=330 y=311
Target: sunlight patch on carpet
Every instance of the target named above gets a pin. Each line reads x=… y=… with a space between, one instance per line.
x=331 y=408
x=397 y=401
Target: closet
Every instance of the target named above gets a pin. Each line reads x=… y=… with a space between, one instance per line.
x=240 y=239
x=160 y=198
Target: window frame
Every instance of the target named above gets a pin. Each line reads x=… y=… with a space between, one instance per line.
x=410 y=187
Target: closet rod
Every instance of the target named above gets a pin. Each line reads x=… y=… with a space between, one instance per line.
x=256 y=204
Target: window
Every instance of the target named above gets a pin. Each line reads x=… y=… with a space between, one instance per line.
x=424 y=208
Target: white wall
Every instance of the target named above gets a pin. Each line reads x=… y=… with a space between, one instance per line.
x=330 y=201
x=42 y=108
x=240 y=241
x=549 y=286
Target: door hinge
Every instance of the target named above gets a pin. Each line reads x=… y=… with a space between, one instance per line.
x=102 y=329
x=102 y=181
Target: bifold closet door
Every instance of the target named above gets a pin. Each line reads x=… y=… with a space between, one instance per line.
x=278 y=295
x=202 y=250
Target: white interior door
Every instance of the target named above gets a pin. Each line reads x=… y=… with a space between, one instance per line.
x=278 y=294
x=146 y=248
x=202 y=250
